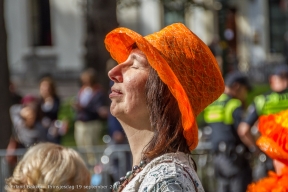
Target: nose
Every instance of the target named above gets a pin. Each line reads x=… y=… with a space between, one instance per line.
x=115 y=74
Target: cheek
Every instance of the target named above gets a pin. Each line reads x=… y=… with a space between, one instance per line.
x=44 y=90
x=113 y=108
x=136 y=97
x=136 y=88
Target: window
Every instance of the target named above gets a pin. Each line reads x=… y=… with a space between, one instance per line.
x=41 y=23
x=278 y=24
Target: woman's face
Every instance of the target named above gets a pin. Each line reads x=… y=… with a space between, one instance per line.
x=85 y=80
x=128 y=92
x=45 y=89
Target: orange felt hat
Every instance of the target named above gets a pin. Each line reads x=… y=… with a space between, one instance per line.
x=183 y=62
x=274 y=139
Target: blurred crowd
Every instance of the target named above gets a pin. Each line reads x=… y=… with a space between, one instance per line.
x=40 y=119
x=36 y=113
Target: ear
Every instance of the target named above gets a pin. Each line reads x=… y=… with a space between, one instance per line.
x=235 y=86
x=272 y=79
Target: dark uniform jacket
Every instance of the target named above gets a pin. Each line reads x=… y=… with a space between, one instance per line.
x=224 y=116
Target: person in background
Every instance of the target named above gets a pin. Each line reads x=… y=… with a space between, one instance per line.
x=273 y=141
x=272 y=102
x=27 y=122
x=27 y=128
x=232 y=169
x=50 y=105
x=15 y=96
x=90 y=111
x=48 y=167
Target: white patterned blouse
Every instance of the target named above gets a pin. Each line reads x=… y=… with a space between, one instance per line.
x=169 y=172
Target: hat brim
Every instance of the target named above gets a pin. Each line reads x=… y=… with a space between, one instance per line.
x=272 y=149
x=119 y=43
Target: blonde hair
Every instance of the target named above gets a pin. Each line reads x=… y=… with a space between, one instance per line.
x=49 y=167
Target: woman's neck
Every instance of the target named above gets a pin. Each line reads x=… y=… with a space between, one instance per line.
x=138 y=139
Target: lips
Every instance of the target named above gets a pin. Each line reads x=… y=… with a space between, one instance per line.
x=115 y=92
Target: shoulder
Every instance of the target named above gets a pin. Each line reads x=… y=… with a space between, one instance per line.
x=233 y=102
x=233 y=106
x=260 y=100
x=222 y=99
x=170 y=176
x=15 y=108
x=98 y=92
x=263 y=96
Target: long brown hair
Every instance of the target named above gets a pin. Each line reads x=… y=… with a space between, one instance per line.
x=165 y=118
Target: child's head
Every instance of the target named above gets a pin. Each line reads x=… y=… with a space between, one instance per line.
x=30 y=113
x=49 y=167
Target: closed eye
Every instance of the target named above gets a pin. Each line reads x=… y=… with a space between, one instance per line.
x=134 y=67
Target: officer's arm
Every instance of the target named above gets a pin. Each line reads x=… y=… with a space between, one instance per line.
x=246 y=136
x=244 y=128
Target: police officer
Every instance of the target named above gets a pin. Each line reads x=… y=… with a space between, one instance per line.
x=232 y=169
x=272 y=102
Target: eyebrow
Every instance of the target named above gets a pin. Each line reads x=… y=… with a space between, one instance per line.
x=137 y=51
x=135 y=46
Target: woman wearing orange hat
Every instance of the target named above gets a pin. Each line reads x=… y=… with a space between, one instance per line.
x=163 y=81
x=273 y=141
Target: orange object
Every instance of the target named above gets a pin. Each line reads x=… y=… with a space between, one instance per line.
x=272 y=183
x=274 y=139
x=183 y=62
x=274 y=142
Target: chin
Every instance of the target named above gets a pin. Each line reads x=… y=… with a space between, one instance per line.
x=116 y=112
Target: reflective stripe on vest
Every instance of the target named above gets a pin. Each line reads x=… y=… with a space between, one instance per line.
x=221 y=110
x=270 y=104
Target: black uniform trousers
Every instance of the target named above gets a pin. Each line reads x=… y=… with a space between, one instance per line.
x=233 y=173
